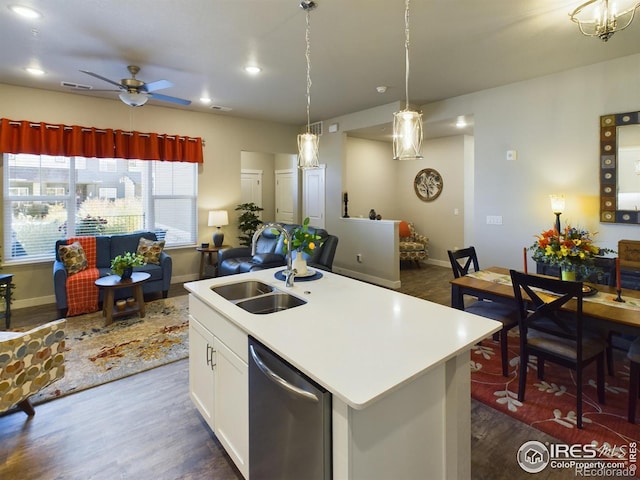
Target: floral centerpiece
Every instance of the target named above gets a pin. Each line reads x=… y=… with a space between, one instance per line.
x=123 y=264
x=302 y=241
x=572 y=250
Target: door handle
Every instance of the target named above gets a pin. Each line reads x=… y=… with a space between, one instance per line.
x=279 y=380
x=210 y=352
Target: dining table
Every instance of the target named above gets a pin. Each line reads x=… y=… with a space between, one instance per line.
x=600 y=309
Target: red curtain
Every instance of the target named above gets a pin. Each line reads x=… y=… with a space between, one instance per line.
x=68 y=141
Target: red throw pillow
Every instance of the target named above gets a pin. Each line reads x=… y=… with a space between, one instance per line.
x=403 y=229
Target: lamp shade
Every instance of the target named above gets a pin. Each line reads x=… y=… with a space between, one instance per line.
x=133 y=99
x=218 y=218
x=407 y=135
x=307 y=150
x=557 y=203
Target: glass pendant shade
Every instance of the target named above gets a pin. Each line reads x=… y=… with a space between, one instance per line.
x=407 y=135
x=602 y=18
x=133 y=99
x=308 y=150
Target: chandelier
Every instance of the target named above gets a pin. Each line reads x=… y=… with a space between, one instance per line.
x=603 y=18
x=407 y=124
x=308 y=142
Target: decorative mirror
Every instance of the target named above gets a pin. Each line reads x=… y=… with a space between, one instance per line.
x=620 y=168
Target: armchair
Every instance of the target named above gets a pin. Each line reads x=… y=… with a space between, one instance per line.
x=413 y=246
x=29 y=361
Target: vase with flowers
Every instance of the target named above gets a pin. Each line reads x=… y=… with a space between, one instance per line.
x=304 y=243
x=572 y=250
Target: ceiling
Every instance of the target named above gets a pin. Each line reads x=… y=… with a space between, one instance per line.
x=202 y=46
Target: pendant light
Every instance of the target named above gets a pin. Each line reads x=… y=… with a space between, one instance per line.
x=407 y=124
x=308 y=142
x=603 y=18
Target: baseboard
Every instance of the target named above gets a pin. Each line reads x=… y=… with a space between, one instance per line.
x=383 y=282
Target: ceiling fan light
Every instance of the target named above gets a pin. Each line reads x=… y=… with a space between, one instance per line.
x=24 y=11
x=308 y=150
x=407 y=135
x=133 y=99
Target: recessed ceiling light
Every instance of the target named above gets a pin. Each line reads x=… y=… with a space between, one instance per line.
x=252 y=69
x=381 y=89
x=205 y=100
x=26 y=12
x=35 y=71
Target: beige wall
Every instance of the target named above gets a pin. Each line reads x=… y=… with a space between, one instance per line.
x=218 y=178
x=553 y=122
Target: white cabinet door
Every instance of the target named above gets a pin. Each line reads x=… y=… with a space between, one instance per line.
x=285 y=194
x=202 y=358
x=232 y=405
x=313 y=195
x=251 y=187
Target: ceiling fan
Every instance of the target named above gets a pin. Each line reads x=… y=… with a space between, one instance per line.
x=135 y=93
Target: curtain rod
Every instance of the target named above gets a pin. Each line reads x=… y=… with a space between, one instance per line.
x=97 y=130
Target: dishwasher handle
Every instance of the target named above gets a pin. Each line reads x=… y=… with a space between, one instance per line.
x=279 y=380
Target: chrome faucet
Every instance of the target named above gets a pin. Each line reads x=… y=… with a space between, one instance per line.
x=289 y=273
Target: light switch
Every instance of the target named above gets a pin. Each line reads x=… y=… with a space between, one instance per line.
x=512 y=155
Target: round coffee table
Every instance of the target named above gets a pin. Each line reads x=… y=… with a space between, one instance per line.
x=112 y=283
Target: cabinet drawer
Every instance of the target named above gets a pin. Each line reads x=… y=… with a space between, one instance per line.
x=230 y=334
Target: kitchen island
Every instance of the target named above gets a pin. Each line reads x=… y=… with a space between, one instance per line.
x=397 y=368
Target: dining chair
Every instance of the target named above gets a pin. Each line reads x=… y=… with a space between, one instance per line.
x=634 y=378
x=462 y=261
x=550 y=333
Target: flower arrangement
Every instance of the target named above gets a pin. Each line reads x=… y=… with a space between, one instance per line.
x=128 y=259
x=572 y=250
x=302 y=240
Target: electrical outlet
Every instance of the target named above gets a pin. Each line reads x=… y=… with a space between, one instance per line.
x=494 y=219
x=359 y=257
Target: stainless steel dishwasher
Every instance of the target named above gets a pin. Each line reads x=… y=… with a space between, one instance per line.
x=289 y=420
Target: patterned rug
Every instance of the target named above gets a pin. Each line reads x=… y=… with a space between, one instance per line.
x=98 y=354
x=550 y=405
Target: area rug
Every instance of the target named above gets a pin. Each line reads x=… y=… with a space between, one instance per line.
x=550 y=405
x=97 y=354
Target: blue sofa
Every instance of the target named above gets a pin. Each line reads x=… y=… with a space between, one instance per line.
x=107 y=248
x=270 y=253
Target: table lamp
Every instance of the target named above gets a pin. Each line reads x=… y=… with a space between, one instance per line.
x=218 y=218
x=557 y=205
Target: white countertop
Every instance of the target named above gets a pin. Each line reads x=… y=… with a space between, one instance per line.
x=358 y=340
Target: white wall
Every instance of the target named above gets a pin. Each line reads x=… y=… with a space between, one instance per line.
x=436 y=219
x=553 y=123
x=370 y=178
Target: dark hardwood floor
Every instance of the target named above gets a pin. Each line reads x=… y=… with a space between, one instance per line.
x=145 y=426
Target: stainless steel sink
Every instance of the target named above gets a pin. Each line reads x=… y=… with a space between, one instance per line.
x=241 y=290
x=270 y=303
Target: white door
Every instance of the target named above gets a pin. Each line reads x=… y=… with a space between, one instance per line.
x=285 y=195
x=313 y=196
x=251 y=187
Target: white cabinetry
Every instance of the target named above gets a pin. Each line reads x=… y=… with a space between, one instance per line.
x=219 y=379
x=202 y=360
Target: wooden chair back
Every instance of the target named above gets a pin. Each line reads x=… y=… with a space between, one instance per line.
x=462 y=260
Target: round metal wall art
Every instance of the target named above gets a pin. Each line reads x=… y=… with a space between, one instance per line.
x=428 y=184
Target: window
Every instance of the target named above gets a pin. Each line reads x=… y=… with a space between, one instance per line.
x=48 y=198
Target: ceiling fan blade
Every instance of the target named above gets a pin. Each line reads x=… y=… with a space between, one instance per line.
x=102 y=78
x=167 y=98
x=157 y=85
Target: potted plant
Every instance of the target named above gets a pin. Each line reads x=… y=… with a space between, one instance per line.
x=123 y=264
x=302 y=241
x=248 y=222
